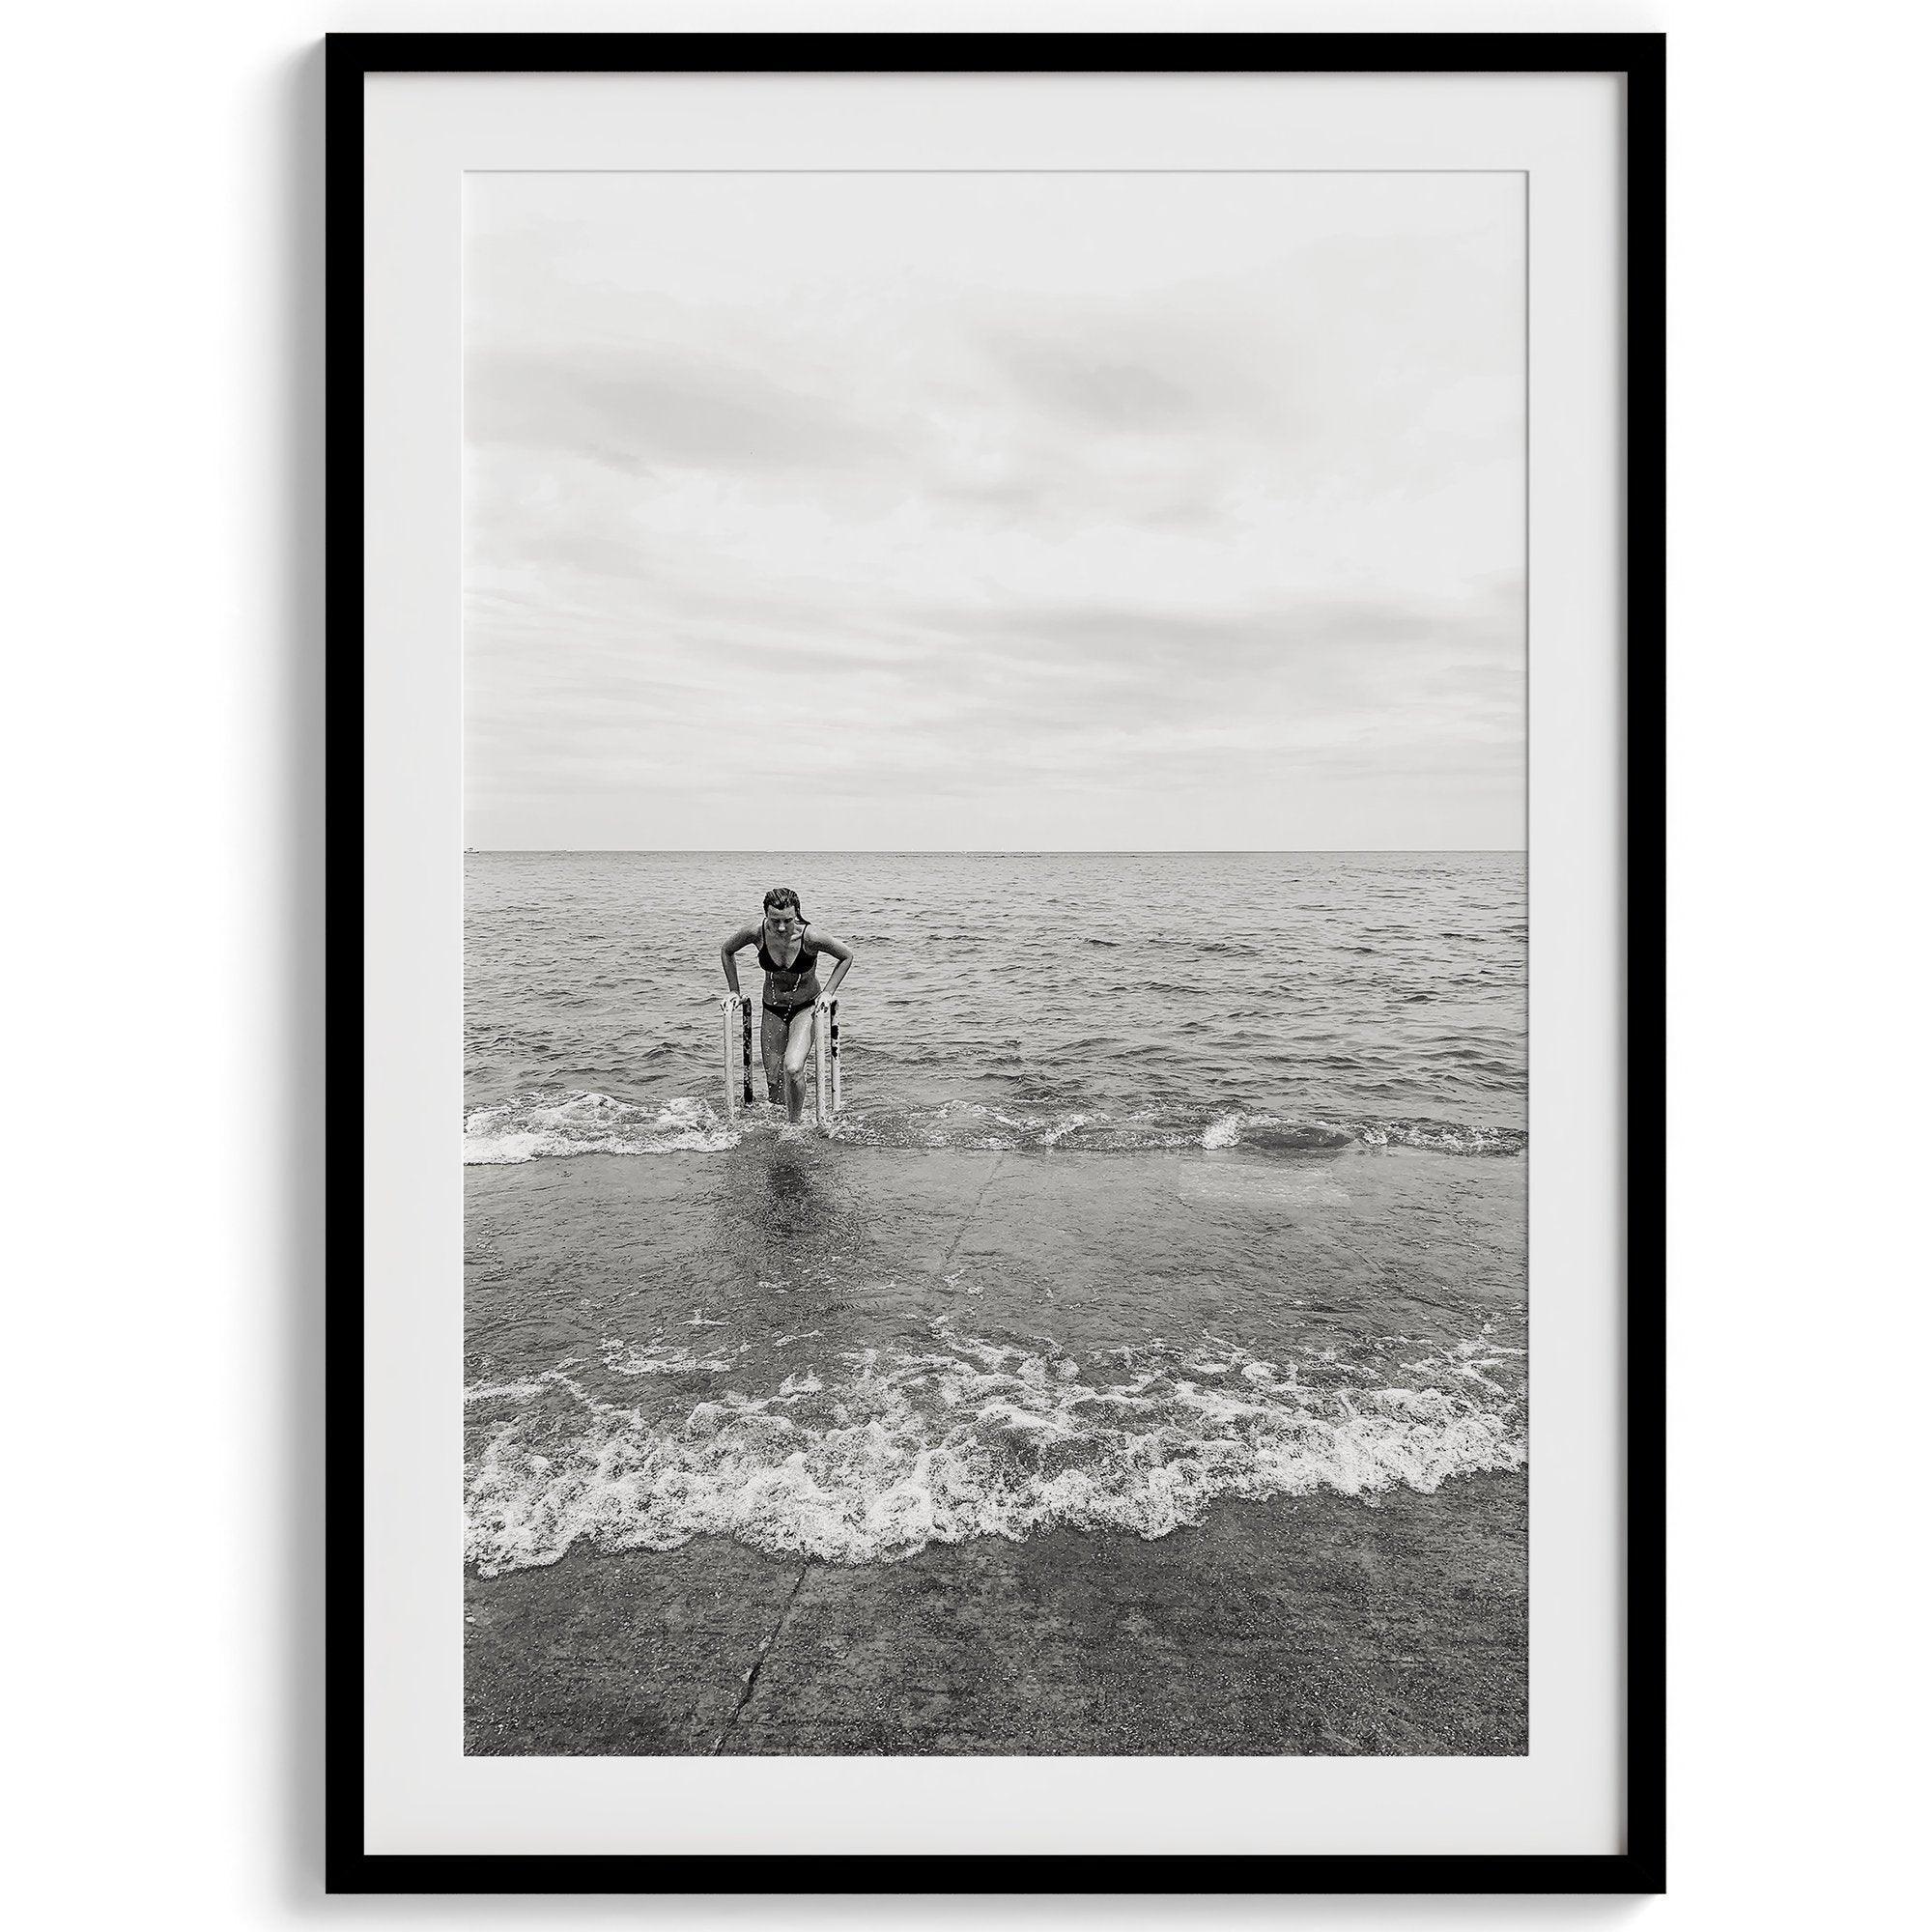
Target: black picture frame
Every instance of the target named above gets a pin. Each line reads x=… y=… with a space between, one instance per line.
x=1639 y=1867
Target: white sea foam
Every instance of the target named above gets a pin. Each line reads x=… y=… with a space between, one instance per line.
x=662 y=1358
x=540 y=1126
x=531 y=1128
x=894 y=1450
x=1438 y=1136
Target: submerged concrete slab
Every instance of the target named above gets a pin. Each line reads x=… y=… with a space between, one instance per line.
x=1317 y=1626
x=636 y=1656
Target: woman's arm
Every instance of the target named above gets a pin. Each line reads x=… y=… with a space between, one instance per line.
x=728 y=953
x=841 y=952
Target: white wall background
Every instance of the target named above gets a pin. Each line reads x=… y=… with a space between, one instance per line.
x=159 y=350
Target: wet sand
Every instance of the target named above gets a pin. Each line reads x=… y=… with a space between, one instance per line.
x=1316 y=1626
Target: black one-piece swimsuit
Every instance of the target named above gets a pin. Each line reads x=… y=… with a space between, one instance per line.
x=790 y=989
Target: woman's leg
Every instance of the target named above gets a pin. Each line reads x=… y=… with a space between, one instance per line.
x=771 y=1045
x=798 y=1050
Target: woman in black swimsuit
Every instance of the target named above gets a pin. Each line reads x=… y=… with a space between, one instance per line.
x=789 y=955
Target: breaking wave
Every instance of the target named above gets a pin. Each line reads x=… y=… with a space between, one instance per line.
x=871 y=1456
x=530 y=1128
x=545 y=1126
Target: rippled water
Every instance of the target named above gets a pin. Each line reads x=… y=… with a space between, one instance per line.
x=1082 y=999
x=1160 y=1177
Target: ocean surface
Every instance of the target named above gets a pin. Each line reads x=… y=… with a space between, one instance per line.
x=1159 y=1178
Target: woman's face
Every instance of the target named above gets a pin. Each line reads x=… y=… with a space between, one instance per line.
x=782 y=921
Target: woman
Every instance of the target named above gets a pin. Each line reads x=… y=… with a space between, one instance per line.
x=789 y=955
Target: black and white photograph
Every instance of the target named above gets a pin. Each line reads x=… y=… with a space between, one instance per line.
x=929 y=988
x=995 y=964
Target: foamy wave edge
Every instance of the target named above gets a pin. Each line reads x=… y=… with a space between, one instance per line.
x=538 y=1127
x=1274 y=1131
x=859 y=1473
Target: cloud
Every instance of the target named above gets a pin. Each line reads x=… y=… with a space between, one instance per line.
x=938 y=514
x=637 y=410
x=1096 y=391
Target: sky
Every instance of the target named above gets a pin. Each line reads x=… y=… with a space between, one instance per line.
x=840 y=512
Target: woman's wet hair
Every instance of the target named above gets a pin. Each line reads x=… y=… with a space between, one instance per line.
x=781 y=896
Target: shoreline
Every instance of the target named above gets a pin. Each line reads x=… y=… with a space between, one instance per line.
x=1318 y=1624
